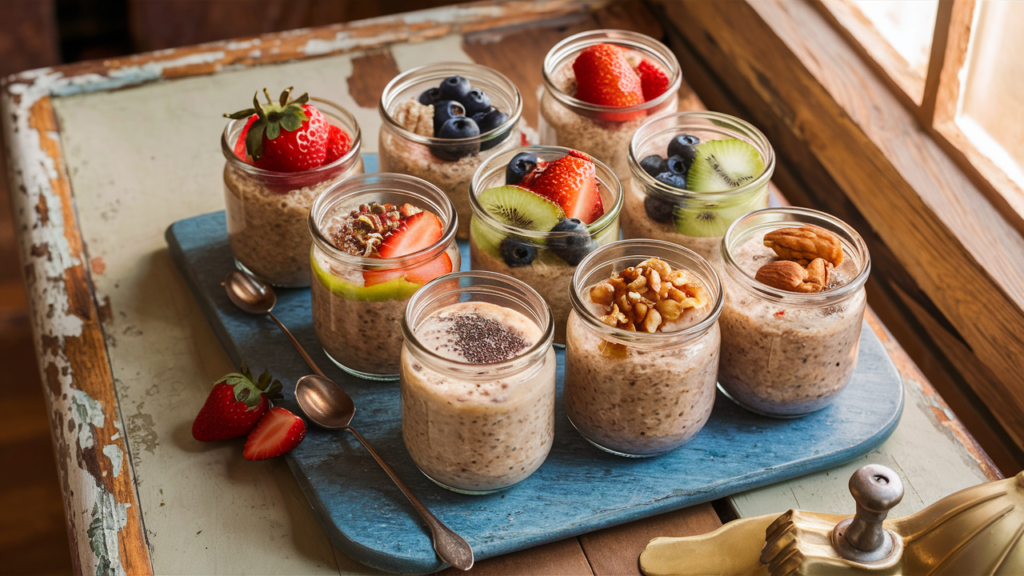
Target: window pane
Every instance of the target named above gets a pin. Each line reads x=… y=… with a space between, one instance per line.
x=991 y=110
x=907 y=25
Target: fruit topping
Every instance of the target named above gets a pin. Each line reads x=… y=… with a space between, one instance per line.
x=235 y=405
x=520 y=208
x=445 y=111
x=240 y=143
x=287 y=136
x=676 y=165
x=516 y=253
x=658 y=209
x=570 y=241
x=571 y=182
x=362 y=232
x=417 y=232
x=654 y=164
x=520 y=165
x=429 y=96
x=338 y=143
x=722 y=165
x=647 y=297
x=684 y=146
x=672 y=179
x=703 y=219
x=278 y=432
x=457 y=128
x=488 y=121
x=476 y=101
x=604 y=77
x=455 y=88
x=653 y=80
x=415 y=117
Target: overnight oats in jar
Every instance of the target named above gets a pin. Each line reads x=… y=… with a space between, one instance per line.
x=538 y=211
x=478 y=381
x=693 y=175
x=377 y=238
x=794 y=310
x=600 y=86
x=279 y=157
x=442 y=121
x=642 y=347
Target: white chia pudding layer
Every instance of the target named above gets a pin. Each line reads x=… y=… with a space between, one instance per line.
x=636 y=224
x=605 y=140
x=268 y=229
x=640 y=401
x=787 y=360
x=477 y=435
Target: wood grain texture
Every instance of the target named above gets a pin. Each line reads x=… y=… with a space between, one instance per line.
x=936 y=223
x=562 y=558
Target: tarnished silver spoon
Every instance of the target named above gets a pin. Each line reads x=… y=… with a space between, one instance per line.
x=328 y=406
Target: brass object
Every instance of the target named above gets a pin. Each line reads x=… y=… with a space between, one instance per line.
x=975 y=531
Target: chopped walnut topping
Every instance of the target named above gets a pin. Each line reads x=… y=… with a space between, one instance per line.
x=644 y=297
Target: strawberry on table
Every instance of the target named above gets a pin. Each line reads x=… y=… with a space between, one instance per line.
x=338 y=143
x=286 y=136
x=276 y=433
x=416 y=232
x=604 y=77
x=235 y=404
x=571 y=182
x=652 y=79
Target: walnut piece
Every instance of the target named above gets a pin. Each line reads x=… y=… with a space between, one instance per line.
x=644 y=297
x=804 y=244
x=791 y=276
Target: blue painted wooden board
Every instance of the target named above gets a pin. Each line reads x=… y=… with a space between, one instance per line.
x=578 y=489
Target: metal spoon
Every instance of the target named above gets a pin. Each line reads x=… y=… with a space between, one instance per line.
x=328 y=406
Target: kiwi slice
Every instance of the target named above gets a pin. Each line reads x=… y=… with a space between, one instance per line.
x=520 y=208
x=723 y=165
x=395 y=289
x=711 y=220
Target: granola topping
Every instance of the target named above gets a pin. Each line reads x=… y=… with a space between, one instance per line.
x=646 y=297
x=364 y=229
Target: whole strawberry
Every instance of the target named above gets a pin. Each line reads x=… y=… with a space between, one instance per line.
x=287 y=136
x=604 y=77
x=338 y=143
x=652 y=79
x=235 y=405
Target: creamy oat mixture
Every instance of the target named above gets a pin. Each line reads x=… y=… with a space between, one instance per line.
x=787 y=360
x=635 y=399
x=605 y=140
x=483 y=434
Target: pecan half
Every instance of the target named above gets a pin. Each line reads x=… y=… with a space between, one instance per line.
x=790 y=276
x=804 y=244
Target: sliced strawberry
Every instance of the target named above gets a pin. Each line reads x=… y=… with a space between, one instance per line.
x=240 y=143
x=235 y=404
x=276 y=433
x=571 y=182
x=338 y=143
x=421 y=274
x=604 y=77
x=652 y=79
x=533 y=175
x=418 y=231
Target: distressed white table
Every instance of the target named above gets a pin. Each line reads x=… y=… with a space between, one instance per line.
x=105 y=155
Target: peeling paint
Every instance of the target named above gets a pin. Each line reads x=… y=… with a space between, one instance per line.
x=89 y=413
x=116 y=456
x=108 y=518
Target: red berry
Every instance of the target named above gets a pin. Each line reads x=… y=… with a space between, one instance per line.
x=240 y=143
x=235 y=404
x=604 y=77
x=338 y=143
x=277 y=432
x=287 y=136
x=571 y=182
x=652 y=79
x=418 y=231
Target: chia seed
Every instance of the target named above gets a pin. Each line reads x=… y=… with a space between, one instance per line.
x=483 y=340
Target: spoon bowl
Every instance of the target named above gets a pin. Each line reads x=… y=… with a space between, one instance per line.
x=324 y=402
x=249 y=294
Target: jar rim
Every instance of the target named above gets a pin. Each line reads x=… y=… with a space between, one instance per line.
x=464 y=69
x=444 y=209
x=595 y=227
x=470 y=370
x=632 y=40
x=348 y=120
x=716 y=118
x=738 y=232
x=708 y=275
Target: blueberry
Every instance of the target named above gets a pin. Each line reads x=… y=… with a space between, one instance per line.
x=489 y=121
x=683 y=146
x=654 y=164
x=429 y=96
x=444 y=111
x=454 y=88
x=520 y=165
x=657 y=209
x=475 y=101
x=572 y=241
x=457 y=127
x=517 y=253
x=676 y=165
x=672 y=179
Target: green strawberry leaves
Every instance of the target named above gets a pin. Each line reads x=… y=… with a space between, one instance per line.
x=248 y=390
x=272 y=117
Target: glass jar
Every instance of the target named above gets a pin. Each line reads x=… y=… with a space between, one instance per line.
x=547 y=273
x=603 y=132
x=358 y=303
x=405 y=152
x=784 y=353
x=267 y=211
x=478 y=427
x=639 y=394
x=697 y=220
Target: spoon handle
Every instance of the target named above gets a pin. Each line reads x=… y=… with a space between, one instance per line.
x=312 y=365
x=449 y=546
